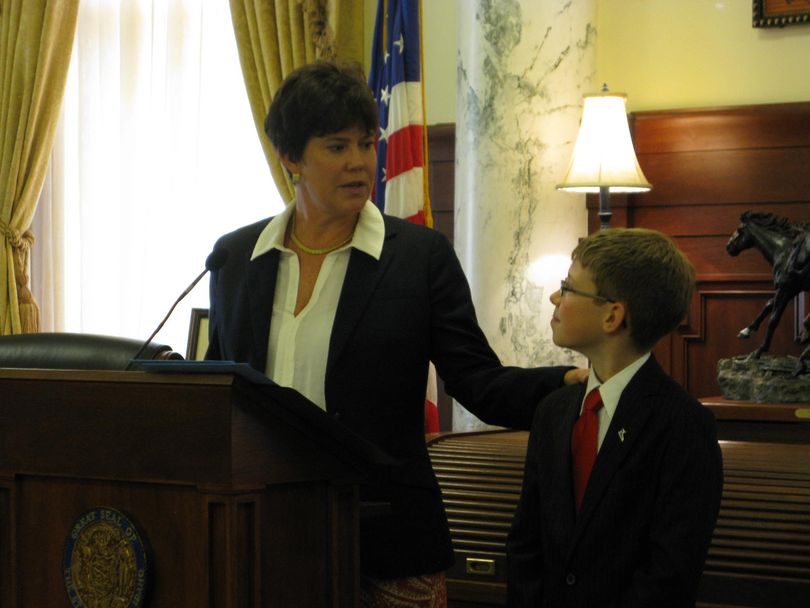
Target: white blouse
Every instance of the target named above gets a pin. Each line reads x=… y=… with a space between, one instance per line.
x=298 y=346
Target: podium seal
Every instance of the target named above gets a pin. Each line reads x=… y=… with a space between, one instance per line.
x=104 y=561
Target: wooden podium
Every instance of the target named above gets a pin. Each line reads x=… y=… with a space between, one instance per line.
x=243 y=495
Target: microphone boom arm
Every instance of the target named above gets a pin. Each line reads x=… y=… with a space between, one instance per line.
x=215 y=261
x=168 y=314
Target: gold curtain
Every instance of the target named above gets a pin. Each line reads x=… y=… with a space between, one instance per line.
x=276 y=36
x=35 y=48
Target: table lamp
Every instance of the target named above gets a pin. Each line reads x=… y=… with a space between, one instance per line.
x=604 y=160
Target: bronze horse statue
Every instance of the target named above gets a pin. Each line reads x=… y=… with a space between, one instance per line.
x=786 y=246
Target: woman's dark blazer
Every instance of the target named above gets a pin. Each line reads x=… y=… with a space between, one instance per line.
x=394 y=315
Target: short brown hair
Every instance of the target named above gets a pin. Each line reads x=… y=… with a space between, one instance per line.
x=318 y=99
x=645 y=270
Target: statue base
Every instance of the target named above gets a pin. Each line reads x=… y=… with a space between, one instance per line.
x=764 y=380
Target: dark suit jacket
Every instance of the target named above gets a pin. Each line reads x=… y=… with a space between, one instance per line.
x=394 y=315
x=648 y=512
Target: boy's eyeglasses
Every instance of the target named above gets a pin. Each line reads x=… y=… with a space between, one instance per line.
x=566 y=288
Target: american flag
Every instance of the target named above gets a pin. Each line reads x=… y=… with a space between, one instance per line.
x=396 y=80
x=401 y=185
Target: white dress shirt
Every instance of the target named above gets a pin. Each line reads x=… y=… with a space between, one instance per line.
x=298 y=345
x=611 y=392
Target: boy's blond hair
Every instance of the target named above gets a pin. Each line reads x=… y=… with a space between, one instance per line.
x=643 y=269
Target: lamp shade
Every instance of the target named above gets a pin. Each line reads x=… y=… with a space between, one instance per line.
x=603 y=154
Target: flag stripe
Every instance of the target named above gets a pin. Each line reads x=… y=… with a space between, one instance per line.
x=405 y=106
x=403 y=194
x=404 y=152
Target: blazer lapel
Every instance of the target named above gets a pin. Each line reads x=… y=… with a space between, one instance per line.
x=362 y=277
x=262 y=274
x=563 y=475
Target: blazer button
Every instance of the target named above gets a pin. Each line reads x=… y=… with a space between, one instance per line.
x=570 y=579
x=336 y=415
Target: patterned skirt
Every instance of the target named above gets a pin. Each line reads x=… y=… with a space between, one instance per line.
x=428 y=591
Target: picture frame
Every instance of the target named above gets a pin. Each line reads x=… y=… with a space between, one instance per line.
x=779 y=13
x=197 y=335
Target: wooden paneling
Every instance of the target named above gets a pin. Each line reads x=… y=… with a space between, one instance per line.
x=7 y=541
x=707 y=167
x=723 y=177
x=441 y=173
x=761 y=126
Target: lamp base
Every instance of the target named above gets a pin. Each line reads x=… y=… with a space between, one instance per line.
x=604 y=207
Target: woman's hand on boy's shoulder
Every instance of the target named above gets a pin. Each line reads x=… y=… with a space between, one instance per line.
x=578 y=375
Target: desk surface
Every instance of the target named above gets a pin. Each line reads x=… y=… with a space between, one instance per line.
x=727 y=409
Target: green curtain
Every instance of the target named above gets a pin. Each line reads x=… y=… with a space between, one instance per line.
x=276 y=36
x=36 y=38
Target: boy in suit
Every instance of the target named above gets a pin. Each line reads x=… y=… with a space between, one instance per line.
x=623 y=478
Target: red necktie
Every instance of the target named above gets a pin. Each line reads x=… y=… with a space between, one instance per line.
x=584 y=441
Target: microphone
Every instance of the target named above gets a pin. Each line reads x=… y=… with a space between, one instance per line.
x=215 y=260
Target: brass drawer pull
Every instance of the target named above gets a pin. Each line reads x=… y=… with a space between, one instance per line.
x=480 y=567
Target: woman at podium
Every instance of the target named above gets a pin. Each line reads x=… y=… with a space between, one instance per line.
x=348 y=306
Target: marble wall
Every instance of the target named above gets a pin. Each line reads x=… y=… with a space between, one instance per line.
x=523 y=67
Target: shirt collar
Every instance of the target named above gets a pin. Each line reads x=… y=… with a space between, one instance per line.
x=369 y=233
x=611 y=391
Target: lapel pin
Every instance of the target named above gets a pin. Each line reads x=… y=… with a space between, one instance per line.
x=621 y=435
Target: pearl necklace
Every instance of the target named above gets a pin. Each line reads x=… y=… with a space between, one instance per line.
x=315 y=250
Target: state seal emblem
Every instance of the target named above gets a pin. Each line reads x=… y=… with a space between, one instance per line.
x=105 y=561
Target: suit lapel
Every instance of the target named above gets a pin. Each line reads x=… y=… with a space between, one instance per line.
x=362 y=277
x=561 y=437
x=262 y=274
